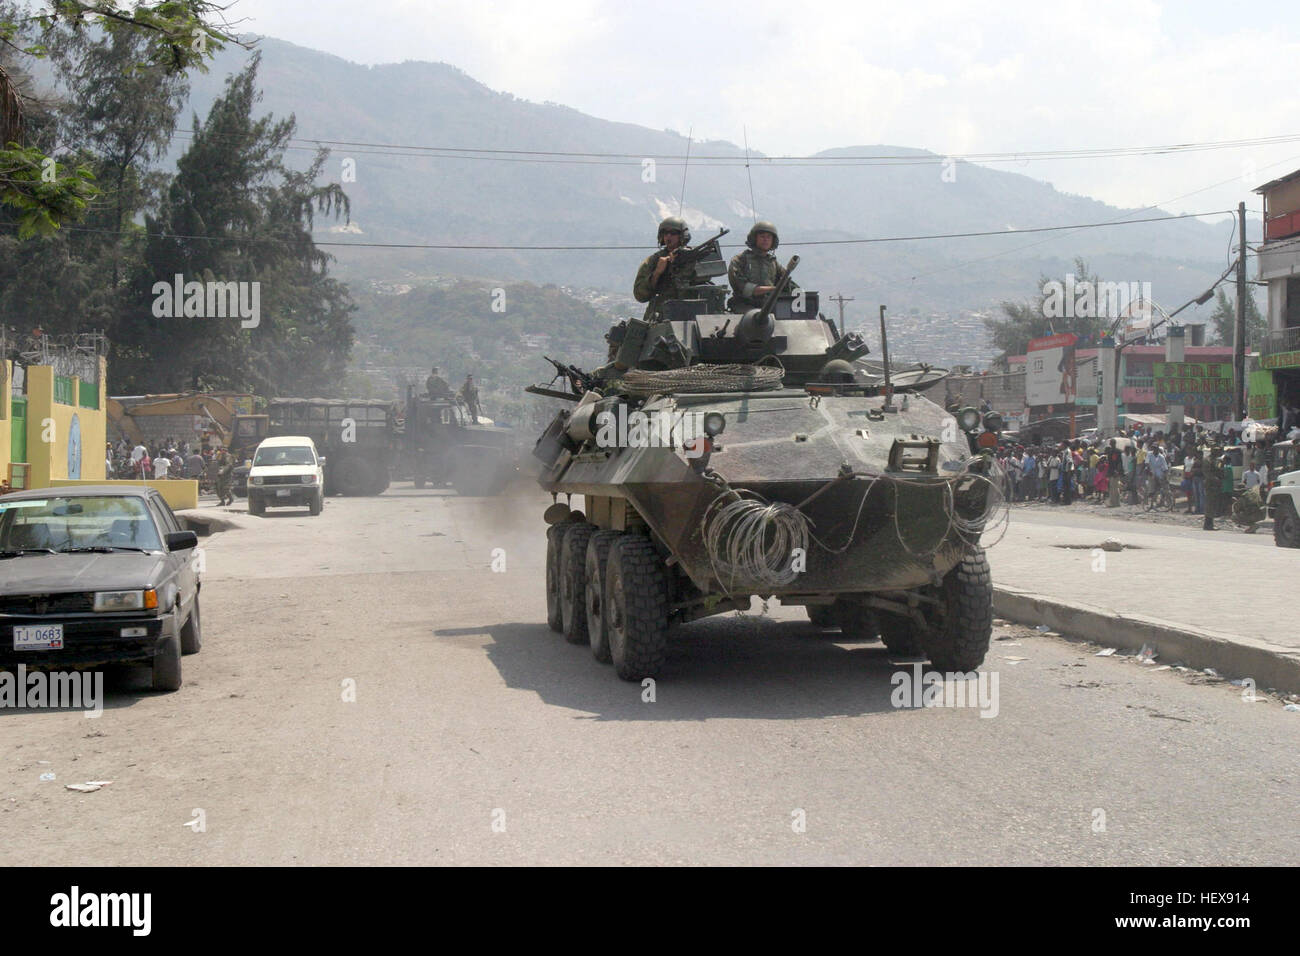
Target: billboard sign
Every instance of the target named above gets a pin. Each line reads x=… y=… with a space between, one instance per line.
x=1051 y=376
x=1193 y=383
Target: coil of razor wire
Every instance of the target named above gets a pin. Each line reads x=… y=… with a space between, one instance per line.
x=996 y=513
x=751 y=541
x=702 y=378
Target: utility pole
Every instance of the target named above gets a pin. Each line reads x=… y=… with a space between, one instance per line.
x=839 y=300
x=1239 y=336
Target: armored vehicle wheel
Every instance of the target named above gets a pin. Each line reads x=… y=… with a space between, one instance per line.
x=636 y=603
x=1286 y=525
x=959 y=632
x=898 y=634
x=857 y=622
x=379 y=480
x=350 y=476
x=554 y=544
x=596 y=564
x=823 y=615
x=573 y=583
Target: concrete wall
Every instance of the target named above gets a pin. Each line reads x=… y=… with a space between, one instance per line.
x=6 y=419
x=179 y=493
x=49 y=425
x=1005 y=392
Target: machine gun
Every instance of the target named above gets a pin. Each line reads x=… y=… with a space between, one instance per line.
x=579 y=381
x=779 y=289
x=697 y=256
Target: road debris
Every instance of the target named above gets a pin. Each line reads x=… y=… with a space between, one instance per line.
x=89 y=786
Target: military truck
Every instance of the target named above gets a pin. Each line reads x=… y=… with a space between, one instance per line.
x=356 y=437
x=726 y=455
x=438 y=444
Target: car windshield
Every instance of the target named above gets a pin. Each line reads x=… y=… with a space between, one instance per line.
x=284 y=455
x=58 y=523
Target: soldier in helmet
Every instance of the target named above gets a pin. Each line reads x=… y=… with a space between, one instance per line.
x=755 y=272
x=436 y=386
x=658 y=279
x=225 y=472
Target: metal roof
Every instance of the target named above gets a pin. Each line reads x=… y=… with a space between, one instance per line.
x=1277 y=182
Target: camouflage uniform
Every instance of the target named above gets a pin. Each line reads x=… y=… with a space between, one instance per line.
x=225 y=469
x=469 y=395
x=1214 y=472
x=674 y=283
x=1248 y=510
x=753 y=268
x=436 y=386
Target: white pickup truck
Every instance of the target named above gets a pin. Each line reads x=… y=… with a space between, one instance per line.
x=286 y=472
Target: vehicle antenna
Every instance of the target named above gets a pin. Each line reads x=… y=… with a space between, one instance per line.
x=753 y=207
x=681 y=200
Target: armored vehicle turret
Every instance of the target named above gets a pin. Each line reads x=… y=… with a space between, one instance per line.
x=721 y=456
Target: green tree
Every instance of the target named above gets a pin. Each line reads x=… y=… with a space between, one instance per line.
x=170 y=37
x=118 y=116
x=1223 y=321
x=122 y=113
x=1034 y=318
x=235 y=213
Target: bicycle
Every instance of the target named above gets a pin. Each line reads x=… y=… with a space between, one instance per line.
x=1156 y=495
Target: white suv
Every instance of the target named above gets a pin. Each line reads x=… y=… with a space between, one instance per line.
x=286 y=472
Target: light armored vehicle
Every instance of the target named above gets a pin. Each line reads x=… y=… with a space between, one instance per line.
x=723 y=456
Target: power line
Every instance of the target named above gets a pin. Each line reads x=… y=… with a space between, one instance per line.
x=518 y=154
x=1031 y=245
x=475 y=247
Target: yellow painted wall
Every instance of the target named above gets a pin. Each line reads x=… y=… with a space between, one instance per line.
x=179 y=493
x=49 y=424
x=6 y=419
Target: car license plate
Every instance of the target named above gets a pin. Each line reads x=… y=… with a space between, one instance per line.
x=38 y=637
x=282 y=493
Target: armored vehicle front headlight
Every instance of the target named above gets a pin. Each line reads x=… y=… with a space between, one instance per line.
x=969 y=419
x=715 y=423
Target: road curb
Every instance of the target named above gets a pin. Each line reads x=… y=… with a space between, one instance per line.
x=1230 y=655
x=206 y=521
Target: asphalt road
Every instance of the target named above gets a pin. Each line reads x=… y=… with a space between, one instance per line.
x=478 y=736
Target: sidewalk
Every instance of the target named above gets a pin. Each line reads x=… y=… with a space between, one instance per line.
x=1205 y=599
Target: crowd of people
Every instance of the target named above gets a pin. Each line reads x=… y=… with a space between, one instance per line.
x=1135 y=465
x=166 y=459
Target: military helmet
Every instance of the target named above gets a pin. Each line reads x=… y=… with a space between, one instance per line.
x=763 y=226
x=674 y=223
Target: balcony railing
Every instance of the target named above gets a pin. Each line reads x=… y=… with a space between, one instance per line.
x=1283 y=340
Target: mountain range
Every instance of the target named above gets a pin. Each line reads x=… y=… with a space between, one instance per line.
x=380 y=120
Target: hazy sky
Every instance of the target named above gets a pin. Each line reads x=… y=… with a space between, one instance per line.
x=951 y=77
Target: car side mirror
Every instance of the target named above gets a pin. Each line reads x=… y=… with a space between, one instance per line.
x=321 y=461
x=182 y=541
